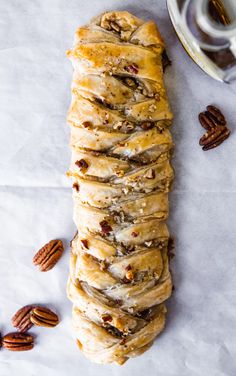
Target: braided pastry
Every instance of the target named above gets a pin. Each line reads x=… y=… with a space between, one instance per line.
x=121 y=146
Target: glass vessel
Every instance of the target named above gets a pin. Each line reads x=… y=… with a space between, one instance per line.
x=207 y=30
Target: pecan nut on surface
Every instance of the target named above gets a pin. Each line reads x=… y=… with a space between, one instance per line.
x=21 y=319
x=18 y=341
x=47 y=257
x=215 y=123
x=42 y=316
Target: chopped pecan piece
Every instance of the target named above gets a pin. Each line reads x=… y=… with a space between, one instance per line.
x=84 y=242
x=42 y=316
x=76 y=187
x=18 y=341
x=82 y=164
x=106 y=318
x=132 y=68
x=87 y=124
x=47 y=257
x=21 y=319
x=105 y=227
x=146 y=125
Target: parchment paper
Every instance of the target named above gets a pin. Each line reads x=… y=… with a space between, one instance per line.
x=36 y=204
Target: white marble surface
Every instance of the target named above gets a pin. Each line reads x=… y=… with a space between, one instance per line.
x=36 y=205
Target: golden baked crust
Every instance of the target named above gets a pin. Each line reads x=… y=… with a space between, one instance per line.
x=119 y=115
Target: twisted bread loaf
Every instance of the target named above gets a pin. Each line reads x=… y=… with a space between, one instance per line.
x=119 y=115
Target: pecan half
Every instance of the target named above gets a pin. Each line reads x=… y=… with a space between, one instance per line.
x=18 y=341
x=221 y=138
x=214 y=137
x=206 y=121
x=211 y=118
x=21 y=319
x=42 y=316
x=216 y=114
x=214 y=122
x=47 y=257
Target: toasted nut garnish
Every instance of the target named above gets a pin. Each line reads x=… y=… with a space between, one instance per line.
x=87 y=124
x=105 y=227
x=43 y=316
x=132 y=68
x=21 y=319
x=106 y=318
x=82 y=164
x=146 y=125
x=48 y=255
x=85 y=243
x=18 y=341
x=76 y=187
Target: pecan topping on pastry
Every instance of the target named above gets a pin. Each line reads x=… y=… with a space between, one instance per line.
x=105 y=227
x=132 y=68
x=146 y=125
x=76 y=186
x=84 y=242
x=82 y=164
